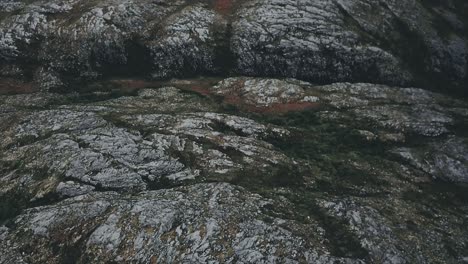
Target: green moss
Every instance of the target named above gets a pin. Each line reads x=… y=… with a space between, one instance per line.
x=340 y=240
x=324 y=143
x=40 y=173
x=328 y=155
x=460 y=127
x=312 y=136
x=161 y=183
x=11 y=205
x=275 y=176
x=439 y=194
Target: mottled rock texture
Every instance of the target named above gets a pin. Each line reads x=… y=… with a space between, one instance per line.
x=242 y=169
x=233 y=131
x=55 y=44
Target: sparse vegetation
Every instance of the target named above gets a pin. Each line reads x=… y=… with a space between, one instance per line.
x=106 y=158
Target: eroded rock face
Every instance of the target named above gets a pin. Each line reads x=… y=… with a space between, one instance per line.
x=198 y=223
x=445 y=160
x=234 y=171
x=53 y=44
x=315 y=40
x=85 y=145
x=330 y=162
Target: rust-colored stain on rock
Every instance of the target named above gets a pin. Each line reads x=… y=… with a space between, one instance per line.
x=10 y=86
x=223 y=6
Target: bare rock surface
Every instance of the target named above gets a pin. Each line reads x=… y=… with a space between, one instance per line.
x=242 y=169
x=306 y=143
x=60 y=44
x=199 y=223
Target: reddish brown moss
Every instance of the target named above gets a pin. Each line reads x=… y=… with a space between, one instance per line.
x=223 y=6
x=10 y=86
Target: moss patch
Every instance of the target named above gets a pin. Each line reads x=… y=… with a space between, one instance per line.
x=11 y=205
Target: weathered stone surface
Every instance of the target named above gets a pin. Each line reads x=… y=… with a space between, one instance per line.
x=199 y=223
x=446 y=160
x=374 y=233
x=58 y=43
x=399 y=110
x=407 y=110
x=335 y=163
x=364 y=173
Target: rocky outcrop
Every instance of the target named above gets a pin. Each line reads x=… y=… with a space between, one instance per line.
x=94 y=147
x=316 y=154
x=234 y=171
x=200 y=223
x=63 y=43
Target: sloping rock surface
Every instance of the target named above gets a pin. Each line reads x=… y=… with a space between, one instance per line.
x=55 y=44
x=242 y=169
